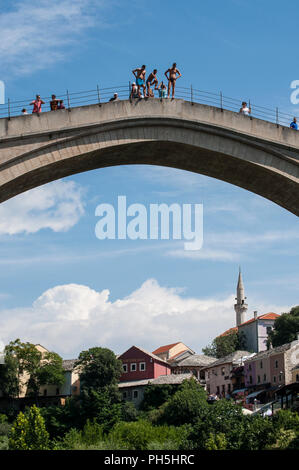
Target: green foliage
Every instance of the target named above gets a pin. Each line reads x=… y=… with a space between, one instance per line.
x=285 y=440
x=29 y=432
x=100 y=405
x=98 y=368
x=23 y=358
x=9 y=381
x=286 y=327
x=216 y=442
x=156 y=395
x=224 y=345
x=186 y=405
x=241 y=432
x=4 y=443
x=286 y=419
x=128 y=412
x=141 y=435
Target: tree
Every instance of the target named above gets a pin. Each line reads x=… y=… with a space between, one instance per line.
x=9 y=380
x=185 y=405
x=99 y=368
x=29 y=432
x=26 y=366
x=155 y=395
x=224 y=345
x=286 y=327
x=241 y=432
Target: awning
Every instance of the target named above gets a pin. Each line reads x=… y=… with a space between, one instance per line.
x=255 y=394
x=241 y=390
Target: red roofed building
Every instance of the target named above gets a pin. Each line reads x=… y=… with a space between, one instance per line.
x=171 y=351
x=254 y=331
x=139 y=364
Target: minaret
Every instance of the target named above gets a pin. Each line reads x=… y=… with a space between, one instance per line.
x=240 y=307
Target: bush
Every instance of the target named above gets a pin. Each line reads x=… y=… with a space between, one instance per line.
x=186 y=405
x=216 y=442
x=141 y=435
x=29 y=432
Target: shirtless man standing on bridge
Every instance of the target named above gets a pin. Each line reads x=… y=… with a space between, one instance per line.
x=173 y=72
x=139 y=74
x=151 y=80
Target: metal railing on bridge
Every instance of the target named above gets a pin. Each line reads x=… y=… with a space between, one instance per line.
x=193 y=95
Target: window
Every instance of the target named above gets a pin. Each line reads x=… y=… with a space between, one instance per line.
x=265 y=378
x=280 y=377
x=228 y=388
x=276 y=364
x=45 y=392
x=142 y=366
x=297 y=377
x=274 y=378
x=124 y=395
x=133 y=367
x=249 y=367
x=223 y=388
x=125 y=368
x=261 y=364
x=57 y=391
x=250 y=379
x=135 y=393
x=259 y=379
x=218 y=390
x=269 y=329
x=222 y=370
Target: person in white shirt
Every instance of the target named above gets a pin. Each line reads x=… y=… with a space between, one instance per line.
x=245 y=110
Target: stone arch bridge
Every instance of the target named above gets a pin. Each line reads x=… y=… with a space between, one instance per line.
x=259 y=156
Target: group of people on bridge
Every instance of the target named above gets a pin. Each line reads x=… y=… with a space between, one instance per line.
x=142 y=88
x=172 y=74
x=38 y=102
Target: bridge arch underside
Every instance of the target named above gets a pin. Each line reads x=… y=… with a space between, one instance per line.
x=227 y=156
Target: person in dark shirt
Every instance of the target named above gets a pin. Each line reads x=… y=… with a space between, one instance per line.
x=114 y=97
x=54 y=103
x=61 y=105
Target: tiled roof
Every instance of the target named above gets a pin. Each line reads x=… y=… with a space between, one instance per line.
x=134 y=383
x=232 y=357
x=197 y=360
x=165 y=348
x=172 y=379
x=68 y=364
x=266 y=316
x=229 y=332
x=272 y=351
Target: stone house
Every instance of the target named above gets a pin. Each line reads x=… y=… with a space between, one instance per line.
x=272 y=368
x=194 y=363
x=133 y=391
x=218 y=375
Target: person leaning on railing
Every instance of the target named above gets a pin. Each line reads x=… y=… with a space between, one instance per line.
x=294 y=124
x=245 y=109
x=37 y=104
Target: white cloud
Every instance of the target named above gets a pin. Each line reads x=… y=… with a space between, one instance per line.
x=37 y=33
x=57 y=206
x=70 y=318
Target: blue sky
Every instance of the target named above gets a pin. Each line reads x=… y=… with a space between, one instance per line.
x=64 y=288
